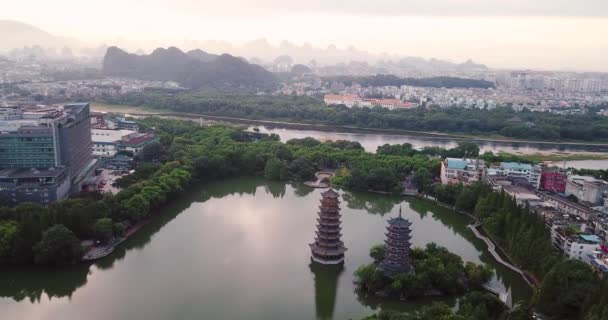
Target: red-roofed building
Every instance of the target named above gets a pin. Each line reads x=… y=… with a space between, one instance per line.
x=553 y=180
x=136 y=142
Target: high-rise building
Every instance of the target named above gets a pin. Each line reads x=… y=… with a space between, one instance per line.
x=45 y=152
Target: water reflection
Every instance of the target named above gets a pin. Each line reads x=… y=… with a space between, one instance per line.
x=371 y=141
x=189 y=259
x=32 y=283
x=326 y=287
x=370 y=202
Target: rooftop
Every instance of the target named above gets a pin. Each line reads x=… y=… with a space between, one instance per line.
x=454 y=163
x=31 y=173
x=399 y=220
x=138 y=139
x=516 y=166
x=590 y=238
x=330 y=193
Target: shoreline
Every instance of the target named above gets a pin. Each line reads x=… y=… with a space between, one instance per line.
x=109 y=249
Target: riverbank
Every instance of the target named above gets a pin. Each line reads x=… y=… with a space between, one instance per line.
x=145 y=111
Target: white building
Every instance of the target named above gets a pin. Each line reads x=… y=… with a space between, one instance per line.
x=105 y=142
x=586 y=189
x=579 y=247
x=455 y=170
x=518 y=170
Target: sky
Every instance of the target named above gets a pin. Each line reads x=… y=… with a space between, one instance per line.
x=539 y=34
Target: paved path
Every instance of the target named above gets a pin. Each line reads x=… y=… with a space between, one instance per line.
x=505 y=297
x=319 y=183
x=497 y=257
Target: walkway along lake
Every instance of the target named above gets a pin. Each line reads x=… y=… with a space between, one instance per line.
x=238 y=249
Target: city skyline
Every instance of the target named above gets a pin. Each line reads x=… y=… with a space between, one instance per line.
x=502 y=34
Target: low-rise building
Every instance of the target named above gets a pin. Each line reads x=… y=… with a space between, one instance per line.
x=134 y=143
x=586 y=189
x=575 y=246
x=553 y=180
x=118 y=123
x=356 y=101
x=106 y=143
x=532 y=173
x=599 y=261
x=466 y=171
x=565 y=205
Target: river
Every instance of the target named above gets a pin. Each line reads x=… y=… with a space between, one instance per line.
x=238 y=249
x=372 y=140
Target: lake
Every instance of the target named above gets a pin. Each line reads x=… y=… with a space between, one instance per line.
x=238 y=249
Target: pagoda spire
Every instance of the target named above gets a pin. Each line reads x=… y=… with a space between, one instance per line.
x=397 y=247
x=328 y=248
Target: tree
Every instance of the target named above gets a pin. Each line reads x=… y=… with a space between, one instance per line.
x=377 y=253
x=275 y=169
x=9 y=231
x=566 y=289
x=423 y=179
x=152 y=151
x=466 y=149
x=58 y=246
x=477 y=274
x=103 y=229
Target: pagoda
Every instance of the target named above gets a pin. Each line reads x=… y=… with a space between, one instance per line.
x=397 y=247
x=328 y=248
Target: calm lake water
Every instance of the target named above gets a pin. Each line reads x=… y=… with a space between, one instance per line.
x=238 y=249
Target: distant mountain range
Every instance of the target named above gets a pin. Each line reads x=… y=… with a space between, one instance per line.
x=15 y=34
x=262 y=51
x=193 y=69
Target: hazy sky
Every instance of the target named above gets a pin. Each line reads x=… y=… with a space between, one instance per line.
x=549 y=34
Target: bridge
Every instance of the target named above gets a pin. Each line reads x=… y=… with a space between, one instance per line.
x=497 y=257
x=505 y=297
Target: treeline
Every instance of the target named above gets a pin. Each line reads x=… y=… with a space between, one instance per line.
x=382 y=80
x=596 y=173
x=503 y=121
x=569 y=288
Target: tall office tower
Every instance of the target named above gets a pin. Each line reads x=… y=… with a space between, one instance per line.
x=45 y=152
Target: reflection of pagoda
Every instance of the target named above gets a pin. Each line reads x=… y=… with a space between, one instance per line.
x=326 y=285
x=397 y=247
x=328 y=248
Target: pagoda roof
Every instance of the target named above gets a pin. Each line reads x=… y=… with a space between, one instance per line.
x=330 y=193
x=327 y=251
x=399 y=221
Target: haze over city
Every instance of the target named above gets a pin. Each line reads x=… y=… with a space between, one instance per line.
x=543 y=34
